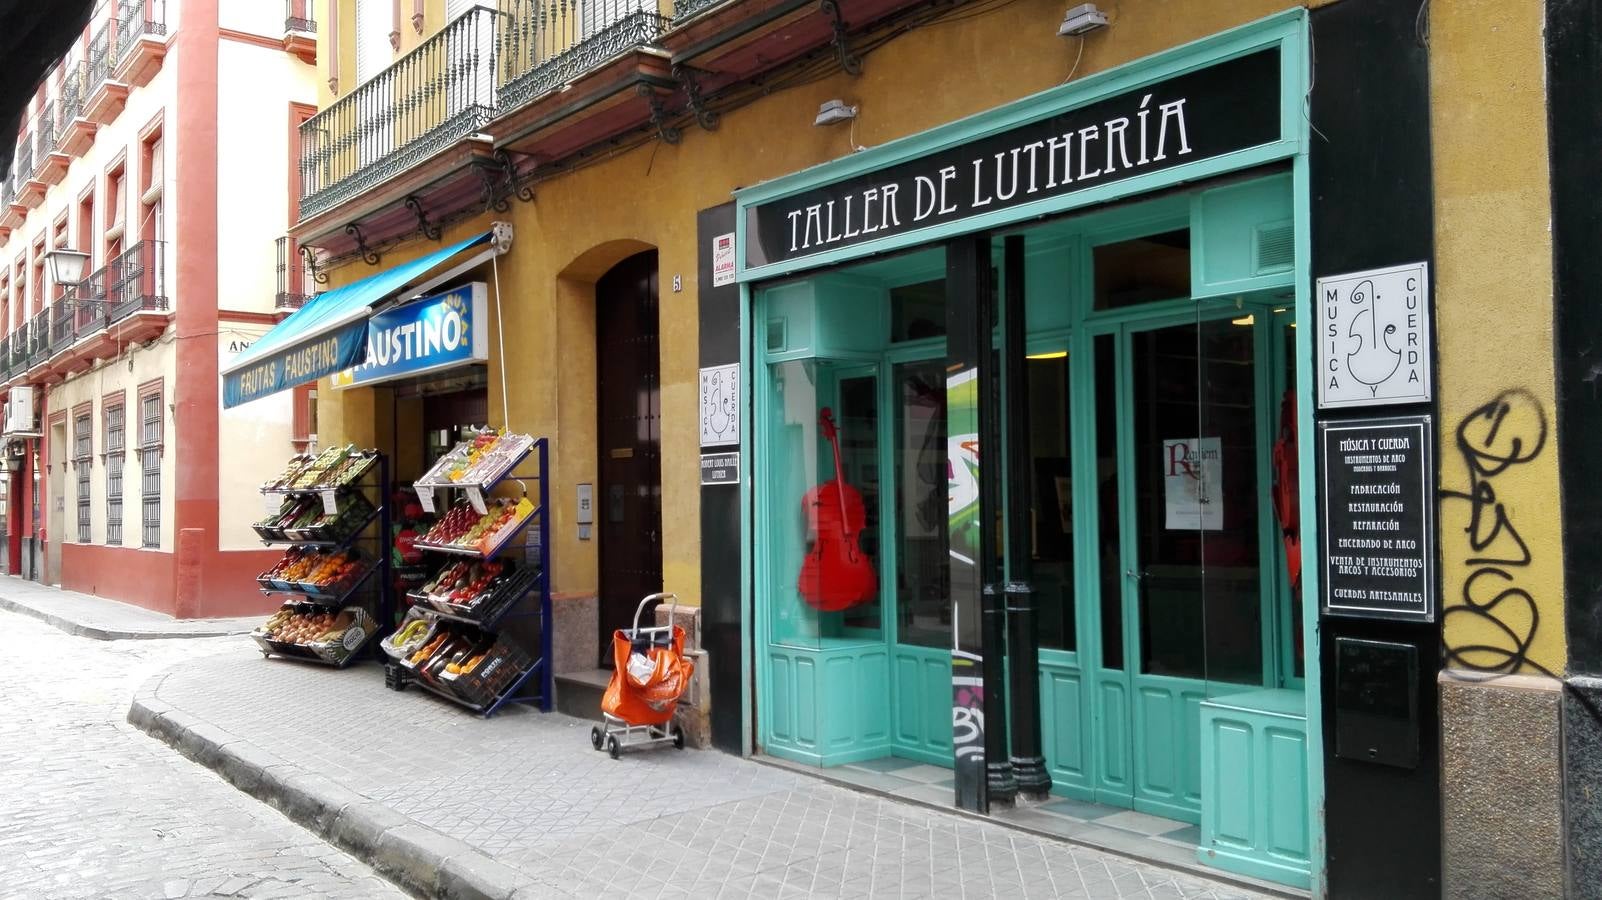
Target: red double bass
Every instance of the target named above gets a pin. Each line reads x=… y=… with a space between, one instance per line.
x=836 y=574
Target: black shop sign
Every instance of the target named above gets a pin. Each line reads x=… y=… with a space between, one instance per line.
x=1232 y=106
x=1378 y=533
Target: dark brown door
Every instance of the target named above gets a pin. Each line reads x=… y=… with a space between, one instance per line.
x=629 y=496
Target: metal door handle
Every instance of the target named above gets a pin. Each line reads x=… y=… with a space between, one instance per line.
x=1131 y=573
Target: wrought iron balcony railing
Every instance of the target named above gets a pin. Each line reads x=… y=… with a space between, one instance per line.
x=89 y=316
x=437 y=93
x=61 y=330
x=6 y=193
x=684 y=9
x=22 y=163
x=294 y=287
x=546 y=44
x=136 y=281
x=46 y=133
x=102 y=55
x=73 y=90
x=138 y=18
x=5 y=358
x=39 y=338
x=298 y=16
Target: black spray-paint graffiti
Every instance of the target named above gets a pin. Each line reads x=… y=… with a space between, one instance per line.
x=1508 y=432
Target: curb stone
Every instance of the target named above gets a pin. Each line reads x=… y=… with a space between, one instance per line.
x=96 y=633
x=413 y=856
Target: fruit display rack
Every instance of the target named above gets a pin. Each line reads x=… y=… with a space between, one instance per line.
x=451 y=643
x=327 y=512
x=475 y=466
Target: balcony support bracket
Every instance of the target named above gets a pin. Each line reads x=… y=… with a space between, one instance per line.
x=429 y=229
x=310 y=259
x=664 y=129
x=850 y=63
x=523 y=192
x=494 y=199
x=369 y=255
x=706 y=118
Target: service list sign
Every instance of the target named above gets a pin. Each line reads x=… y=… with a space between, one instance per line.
x=1378 y=531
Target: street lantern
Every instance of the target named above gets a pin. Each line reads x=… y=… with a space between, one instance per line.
x=66 y=265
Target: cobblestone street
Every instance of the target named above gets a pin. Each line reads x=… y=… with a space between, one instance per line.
x=90 y=807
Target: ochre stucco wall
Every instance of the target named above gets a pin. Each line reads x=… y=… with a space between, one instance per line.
x=1493 y=302
x=585 y=221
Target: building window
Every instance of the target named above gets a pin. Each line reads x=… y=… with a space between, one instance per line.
x=150 y=469
x=82 y=432
x=115 y=463
x=116 y=222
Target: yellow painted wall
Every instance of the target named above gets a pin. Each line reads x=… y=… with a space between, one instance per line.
x=1493 y=301
x=584 y=222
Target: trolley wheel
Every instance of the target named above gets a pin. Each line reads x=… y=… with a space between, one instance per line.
x=595 y=736
x=613 y=749
x=678 y=739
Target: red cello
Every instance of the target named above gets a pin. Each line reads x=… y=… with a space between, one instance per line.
x=836 y=574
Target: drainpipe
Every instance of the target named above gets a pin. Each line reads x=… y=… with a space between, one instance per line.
x=1029 y=766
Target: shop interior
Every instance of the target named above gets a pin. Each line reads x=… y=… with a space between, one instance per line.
x=1162 y=551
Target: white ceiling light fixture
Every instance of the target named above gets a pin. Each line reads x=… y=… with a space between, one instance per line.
x=1081 y=20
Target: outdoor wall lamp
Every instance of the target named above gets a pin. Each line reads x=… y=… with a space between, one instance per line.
x=67 y=265
x=833 y=112
x=1082 y=19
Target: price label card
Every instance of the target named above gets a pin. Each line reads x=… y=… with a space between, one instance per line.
x=475 y=496
x=425 y=499
x=273 y=502
x=330 y=503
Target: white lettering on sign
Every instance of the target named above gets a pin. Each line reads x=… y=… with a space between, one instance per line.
x=1080 y=155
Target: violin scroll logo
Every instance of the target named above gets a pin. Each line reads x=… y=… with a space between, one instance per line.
x=1373 y=337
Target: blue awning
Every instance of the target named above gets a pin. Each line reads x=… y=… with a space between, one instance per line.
x=326 y=335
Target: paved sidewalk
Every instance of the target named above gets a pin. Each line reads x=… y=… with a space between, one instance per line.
x=107 y=620
x=519 y=805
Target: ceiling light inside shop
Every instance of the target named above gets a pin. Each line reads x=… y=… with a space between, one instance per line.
x=1248 y=319
x=1055 y=354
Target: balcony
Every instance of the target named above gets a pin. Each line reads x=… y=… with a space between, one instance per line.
x=50 y=161
x=136 y=293
x=550 y=44
x=429 y=99
x=107 y=96
x=300 y=30
x=29 y=192
x=5 y=208
x=77 y=133
x=39 y=346
x=462 y=123
x=294 y=282
x=141 y=41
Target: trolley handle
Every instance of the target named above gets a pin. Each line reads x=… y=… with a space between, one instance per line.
x=669 y=597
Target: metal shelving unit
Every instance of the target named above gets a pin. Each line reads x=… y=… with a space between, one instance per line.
x=533 y=683
x=373 y=584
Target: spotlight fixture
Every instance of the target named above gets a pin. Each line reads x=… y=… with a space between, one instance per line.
x=833 y=112
x=1082 y=19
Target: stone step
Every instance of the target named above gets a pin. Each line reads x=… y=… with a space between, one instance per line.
x=578 y=694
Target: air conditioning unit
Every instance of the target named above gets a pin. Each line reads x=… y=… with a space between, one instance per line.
x=19 y=412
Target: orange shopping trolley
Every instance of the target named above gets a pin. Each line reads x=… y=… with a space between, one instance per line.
x=650 y=673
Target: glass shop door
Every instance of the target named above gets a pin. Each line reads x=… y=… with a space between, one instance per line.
x=1186 y=412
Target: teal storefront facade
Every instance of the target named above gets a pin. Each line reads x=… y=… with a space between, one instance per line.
x=1137 y=245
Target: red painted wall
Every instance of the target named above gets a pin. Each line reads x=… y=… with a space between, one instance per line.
x=148 y=578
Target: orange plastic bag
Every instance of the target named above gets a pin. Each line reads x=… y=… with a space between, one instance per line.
x=649 y=698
